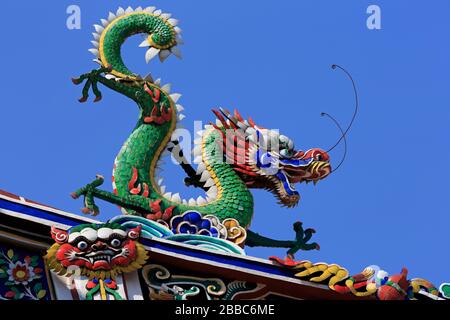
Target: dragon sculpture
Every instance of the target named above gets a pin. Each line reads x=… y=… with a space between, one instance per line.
x=233 y=155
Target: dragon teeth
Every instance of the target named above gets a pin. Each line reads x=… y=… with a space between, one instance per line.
x=111 y=16
x=175 y=97
x=209 y=183
x=98 y=28
x=104 y=22
x=166 y=87
x=179 y=39
x=200 y=168
x=150 y=54
x=177 y=30
x=168 y=195
x=176 y=198
x=176 y=52
x=94 y=43
x=144 y=44
x=96 y=36
x=192 y=202
x=162 y=189
x=150 y=9
x=181 y=116
x=148 y=78
x=201 y=200
x=129 y=10
x=173 y=22
x=164 y=54
x=158 y=82
x=120 y=12
x=165 y=16
x=157 y=12
x=212 y=192
x=138 y=9
x=205 y=176
x=179 y=107
x=94 y=51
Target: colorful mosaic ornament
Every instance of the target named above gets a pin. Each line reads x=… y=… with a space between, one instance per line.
x=372 y=281
x=226 y=176
x=22 y=276
x=163 y=285
x=99 y=252
x=152 y=229
x=192 y=222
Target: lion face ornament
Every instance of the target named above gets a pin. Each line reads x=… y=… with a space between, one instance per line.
x=99 y=251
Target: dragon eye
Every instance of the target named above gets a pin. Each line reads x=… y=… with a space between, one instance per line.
x=82 y=245
x=116 y=243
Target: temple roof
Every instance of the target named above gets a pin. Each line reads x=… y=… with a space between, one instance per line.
x=27 y=222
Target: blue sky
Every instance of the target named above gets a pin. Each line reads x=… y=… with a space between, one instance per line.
x=388 y=204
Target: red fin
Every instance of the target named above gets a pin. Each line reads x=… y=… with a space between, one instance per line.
x=133 y=179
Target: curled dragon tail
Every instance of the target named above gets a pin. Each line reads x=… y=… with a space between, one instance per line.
x=162 y=39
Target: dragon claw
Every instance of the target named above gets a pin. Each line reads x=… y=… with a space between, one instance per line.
x=86 y=210
x=74 y=195
x=298 y=226
x=91 y=82
x=302 y=238
x=76 y=81
x=88 y=192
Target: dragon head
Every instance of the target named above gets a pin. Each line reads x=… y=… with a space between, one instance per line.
x=266 y=159
x=98 y=250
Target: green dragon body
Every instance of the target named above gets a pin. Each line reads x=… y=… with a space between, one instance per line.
x=225 y=171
